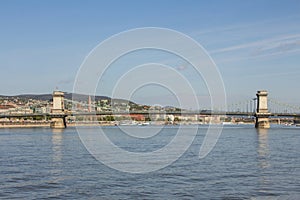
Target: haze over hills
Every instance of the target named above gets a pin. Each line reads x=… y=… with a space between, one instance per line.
x=48 y=97
x=76 y=97
x=73 y=96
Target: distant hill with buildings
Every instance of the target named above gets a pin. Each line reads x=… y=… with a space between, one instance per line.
x=70 y=96
x=81 y=98
x=48 y=97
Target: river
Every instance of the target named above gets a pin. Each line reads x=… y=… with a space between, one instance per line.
x=41 y=163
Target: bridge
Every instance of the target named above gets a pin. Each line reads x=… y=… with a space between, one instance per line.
x=261 y=113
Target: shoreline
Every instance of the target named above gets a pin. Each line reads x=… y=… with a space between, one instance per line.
x=111 y=124
x=47 y=124
x=89 y=124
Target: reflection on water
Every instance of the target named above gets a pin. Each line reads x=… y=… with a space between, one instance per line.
x=263 y=158
x=57 y=154
x=56 y=145
x=263 y=148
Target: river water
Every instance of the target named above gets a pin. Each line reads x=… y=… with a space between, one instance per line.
x=42 y=163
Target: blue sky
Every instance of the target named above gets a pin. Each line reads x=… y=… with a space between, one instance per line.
x=255 y=44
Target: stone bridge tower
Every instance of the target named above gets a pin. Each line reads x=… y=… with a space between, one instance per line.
x=58 y=116
x=262 y=113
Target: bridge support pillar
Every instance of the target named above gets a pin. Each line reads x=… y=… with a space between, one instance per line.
x=58 y=117
x=262 y=114
x=297 y=121
x=262 y=121
x=58 y=122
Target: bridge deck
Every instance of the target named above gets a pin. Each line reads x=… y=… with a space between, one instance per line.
x=212 y=113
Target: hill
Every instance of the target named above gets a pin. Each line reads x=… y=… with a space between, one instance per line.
x=73 y=96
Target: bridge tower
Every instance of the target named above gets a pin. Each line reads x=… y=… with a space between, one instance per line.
x=262 y=113
x=58 y=116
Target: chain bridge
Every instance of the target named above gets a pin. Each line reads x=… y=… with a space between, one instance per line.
x=261 y=108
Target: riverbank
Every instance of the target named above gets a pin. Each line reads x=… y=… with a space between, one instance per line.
x=24 y=124
x=42 y=124
x=47 y=124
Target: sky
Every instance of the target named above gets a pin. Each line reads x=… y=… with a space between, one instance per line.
x=254 y=44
